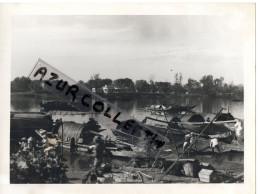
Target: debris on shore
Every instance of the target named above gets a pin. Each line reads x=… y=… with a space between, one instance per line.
x=67 y=152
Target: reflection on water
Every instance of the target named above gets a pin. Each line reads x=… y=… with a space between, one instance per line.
x=134 y=107
x=25 y=104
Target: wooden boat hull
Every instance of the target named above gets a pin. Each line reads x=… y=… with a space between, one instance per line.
x=57 y=105
x=213 y=129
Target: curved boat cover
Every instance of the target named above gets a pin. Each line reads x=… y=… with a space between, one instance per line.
x=221 y=117
x=190 y=117
x=160 y=107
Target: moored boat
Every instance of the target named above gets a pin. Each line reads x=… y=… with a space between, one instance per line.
x=195 y=122
x=56 y=105
x=24 y=123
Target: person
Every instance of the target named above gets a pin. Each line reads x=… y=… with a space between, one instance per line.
x=38 y=145
x=23 y=143
x=214 y=144
x=192 y=139
x=186 y=141
x=238 y=127
x=99 y=152
x=31 y=143
x=73 y=146
x=44 y=141
x=56 y=126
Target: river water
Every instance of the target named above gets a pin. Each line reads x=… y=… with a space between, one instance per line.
x=204 y=104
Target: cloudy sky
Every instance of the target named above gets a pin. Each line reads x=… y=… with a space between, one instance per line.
x=137 y=47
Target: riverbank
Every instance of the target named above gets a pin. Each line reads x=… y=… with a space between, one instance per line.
x=129 y=96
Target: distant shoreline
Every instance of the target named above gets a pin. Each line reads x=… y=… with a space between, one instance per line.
x=129 y=96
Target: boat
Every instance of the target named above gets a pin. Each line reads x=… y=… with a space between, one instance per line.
x=84 y=134
x=56 y=105
x=196 y=122
x=172 y=110
x=237 y=99
x=25 y=123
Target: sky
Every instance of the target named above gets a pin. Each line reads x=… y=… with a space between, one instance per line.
x=136 y=47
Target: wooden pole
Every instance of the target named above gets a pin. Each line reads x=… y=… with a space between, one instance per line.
x=168 y=130
x=61 y=137
x=171 y=134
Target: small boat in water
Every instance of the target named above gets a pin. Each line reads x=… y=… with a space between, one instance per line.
x=56 y=105
x=173 y=109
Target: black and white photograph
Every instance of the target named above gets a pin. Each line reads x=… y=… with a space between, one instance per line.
x=128 y=99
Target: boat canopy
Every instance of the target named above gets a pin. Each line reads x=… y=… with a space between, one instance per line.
x=225 y=117
x=160 y=106
x=83 y=133
x=70 y=129
x=192 y=118
x=221 y=117
x=175 y=120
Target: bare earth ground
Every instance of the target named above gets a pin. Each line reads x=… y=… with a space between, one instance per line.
x=231 y=160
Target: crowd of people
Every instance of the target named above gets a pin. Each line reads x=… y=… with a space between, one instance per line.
x=37 y=162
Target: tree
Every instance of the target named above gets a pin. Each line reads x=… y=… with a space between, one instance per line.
x=180 y=78
x=125 y=83
x=218 y=83
x=37 y=86
x=193 y=86
x=95 y=76
x=176 y=78
x=97 y=82
x=81 y=82
x=240 y=90
x=177 y=88
x=163 y=87
x=107 y=81
x=142 y=86
x=152 y=86
x=208 y=86
x=21 y=84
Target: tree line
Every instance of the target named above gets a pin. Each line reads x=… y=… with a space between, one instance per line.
x=207 y=85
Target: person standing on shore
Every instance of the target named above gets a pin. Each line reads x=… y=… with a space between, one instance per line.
x=73 y=146
x=186 y=142
x=99 y=152
x=23 y=143
x=192 y=140
x=214 y=144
